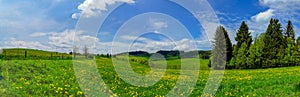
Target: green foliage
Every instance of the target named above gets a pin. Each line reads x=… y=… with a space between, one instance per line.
x=241 y=58
x=270 y=49
x=231 y=64
x=255 y=58
x=209 y=63
x=289 y=51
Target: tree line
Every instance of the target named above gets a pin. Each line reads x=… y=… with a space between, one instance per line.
x=276 y=47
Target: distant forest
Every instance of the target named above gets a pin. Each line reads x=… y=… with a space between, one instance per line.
x=276 y=47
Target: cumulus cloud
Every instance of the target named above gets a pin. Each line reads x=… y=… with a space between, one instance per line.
x=75 y=15
x=157 y=25
x=38 y=34
x=25 y=44
x=90 y=8
x=66 y=39
x=263 y=16
x=131 y=38
x=281 y=4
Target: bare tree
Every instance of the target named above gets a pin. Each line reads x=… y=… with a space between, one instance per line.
x=85 y=51
x=1 y=50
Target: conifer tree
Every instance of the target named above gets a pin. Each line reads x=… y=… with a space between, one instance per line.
x=274 y=45
x=290 y=31
x=222 y=49
x=243 y=35
x=241 y=58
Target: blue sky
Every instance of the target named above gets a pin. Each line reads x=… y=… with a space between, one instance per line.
x=135 y=25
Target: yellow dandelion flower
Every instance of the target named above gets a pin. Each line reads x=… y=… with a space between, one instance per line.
x=79 y=93
x=27 y=83
x=59 y=88
x=51 y=85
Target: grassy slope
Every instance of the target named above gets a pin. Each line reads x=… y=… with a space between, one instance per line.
x=56 y=78
x=19 y=53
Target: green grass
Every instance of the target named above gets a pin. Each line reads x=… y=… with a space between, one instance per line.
x=57 y=78
x=38 y=78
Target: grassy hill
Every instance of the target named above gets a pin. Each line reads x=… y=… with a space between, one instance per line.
x=21 y=54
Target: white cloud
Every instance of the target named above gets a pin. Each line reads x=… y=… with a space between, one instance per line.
x=281 y=4
x=38 y=34
x=75 y=15
x=263 y=16
x=25 y=44
x=159 y=25
x=90 y=8
x=65 y=40
x=130 y=38
x=88 y=38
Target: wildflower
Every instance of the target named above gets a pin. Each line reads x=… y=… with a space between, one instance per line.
x=79 y=93
x=51 y=85
x=27 y=83
x=59 y=88
x=67 y=85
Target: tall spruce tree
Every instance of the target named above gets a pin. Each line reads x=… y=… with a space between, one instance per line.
x=290 y=50
x=290 y=31
x=243 y=35
x=222 y=49
x=274 y=45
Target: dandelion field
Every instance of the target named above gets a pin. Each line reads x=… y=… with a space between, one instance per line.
x=57 y=78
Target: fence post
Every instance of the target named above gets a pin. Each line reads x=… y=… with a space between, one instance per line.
x=25 y=54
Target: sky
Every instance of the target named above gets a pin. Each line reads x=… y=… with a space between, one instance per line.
x=115 y=26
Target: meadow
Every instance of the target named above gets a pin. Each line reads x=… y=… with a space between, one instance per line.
x=57 y=78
